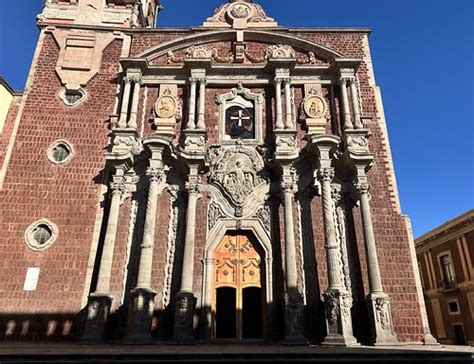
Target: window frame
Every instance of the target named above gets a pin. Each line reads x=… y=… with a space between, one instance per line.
x=31 y=241
x=226 y=100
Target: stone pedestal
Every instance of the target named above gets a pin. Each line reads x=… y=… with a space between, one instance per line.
x=98 y=311
x=381 y=314
x=294 y=316
x=184 y=317
x=337 y=306
x=140 y=315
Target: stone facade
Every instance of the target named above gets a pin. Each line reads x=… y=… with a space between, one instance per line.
x=236 y=127
x=445 y=259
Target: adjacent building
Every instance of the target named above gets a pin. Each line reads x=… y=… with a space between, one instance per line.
x=445 y=259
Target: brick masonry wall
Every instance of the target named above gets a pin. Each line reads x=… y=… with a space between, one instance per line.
x=34 y=188
x=8 y=127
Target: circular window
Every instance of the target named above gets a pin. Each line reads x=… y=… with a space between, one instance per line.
x=60 y=152
x=41 y=235
x=72 y=97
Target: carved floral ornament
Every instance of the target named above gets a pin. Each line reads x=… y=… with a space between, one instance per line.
x=278 y=51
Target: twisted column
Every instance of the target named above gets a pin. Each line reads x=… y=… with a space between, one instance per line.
x=156 y=176
x=122 y=123
x=278 y=105
x=192 y=104
x=132 y=122
x=325 y=177
x=345 y=105
x=355 y=104
x=202 y=104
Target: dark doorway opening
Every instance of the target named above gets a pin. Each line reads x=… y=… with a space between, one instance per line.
x=459 y=338
x=226 y=313
x=252 y=313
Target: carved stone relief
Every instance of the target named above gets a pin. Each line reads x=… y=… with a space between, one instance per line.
x=239 y=15
x=315 y=111
x=237 y=173
x=168 y=109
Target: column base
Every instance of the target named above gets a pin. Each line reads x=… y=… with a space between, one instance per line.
x=294 y=324
x=183 y=318
x=380 y=315
x=338 y=317
x=98 y=312
x=140 y=315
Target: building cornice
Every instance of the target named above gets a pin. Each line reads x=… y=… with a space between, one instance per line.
x=450 y=229
x=9 y=88
x=43 y=24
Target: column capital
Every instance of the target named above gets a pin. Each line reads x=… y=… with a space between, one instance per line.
x=135 y=78
x=193 y=188
x=194 y=79
x=117 y=187
x=325 y=174
x=156 y=174
x=362 y=188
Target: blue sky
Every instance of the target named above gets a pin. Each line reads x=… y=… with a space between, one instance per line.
x=423 y=53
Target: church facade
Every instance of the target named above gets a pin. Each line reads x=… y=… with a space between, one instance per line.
x=229 y=182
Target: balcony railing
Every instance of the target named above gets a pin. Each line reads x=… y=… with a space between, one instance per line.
x=448 y=284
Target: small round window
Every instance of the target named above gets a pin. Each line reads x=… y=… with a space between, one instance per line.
x=60 y=152
x=41 y=235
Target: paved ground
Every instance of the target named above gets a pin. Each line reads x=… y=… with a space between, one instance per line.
x=9 y=348
x=40 y=353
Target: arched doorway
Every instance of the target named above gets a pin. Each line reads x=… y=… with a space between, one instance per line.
x=238 y=308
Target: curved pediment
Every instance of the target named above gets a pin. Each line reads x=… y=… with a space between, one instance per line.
x=175 y=51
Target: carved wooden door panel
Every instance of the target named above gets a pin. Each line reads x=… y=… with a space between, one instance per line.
x=238 y=266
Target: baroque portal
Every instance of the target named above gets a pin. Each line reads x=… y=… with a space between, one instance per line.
x=246 y=190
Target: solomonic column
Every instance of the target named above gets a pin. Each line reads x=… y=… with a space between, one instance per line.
x=142 y=296
x=294 y=306
x=185 y=300
x=99 y=304
x=379 y=303
x=337 y=300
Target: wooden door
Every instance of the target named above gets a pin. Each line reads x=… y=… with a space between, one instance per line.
x=237 y=276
